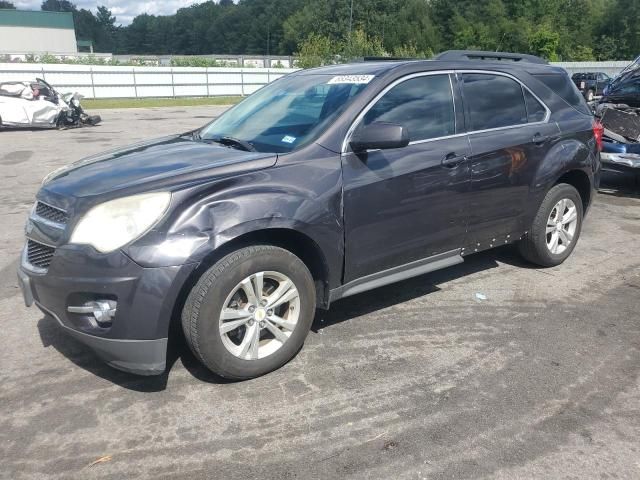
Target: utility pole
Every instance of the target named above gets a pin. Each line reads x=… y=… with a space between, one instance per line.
x=350 y=20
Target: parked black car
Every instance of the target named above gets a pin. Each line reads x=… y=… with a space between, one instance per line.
x=591 y=84
x=624 y=89
x=326 y=183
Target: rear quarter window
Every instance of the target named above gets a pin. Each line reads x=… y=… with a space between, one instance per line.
x=562 y=85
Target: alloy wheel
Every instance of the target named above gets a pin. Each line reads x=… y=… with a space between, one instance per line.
x=259 y=315
x=561 y=226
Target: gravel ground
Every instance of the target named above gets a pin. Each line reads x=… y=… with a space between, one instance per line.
x=418 y=380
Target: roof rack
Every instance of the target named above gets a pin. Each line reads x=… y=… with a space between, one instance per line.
x=491 y=56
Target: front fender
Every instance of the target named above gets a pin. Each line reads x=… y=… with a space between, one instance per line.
x=214 y=215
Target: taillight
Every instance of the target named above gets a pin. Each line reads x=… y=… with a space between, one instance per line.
x=598 y=132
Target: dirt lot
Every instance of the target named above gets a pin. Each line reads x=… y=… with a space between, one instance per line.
x=418 y=380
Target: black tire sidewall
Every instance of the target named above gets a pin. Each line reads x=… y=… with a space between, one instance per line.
x=557 y=193
x=211 y=350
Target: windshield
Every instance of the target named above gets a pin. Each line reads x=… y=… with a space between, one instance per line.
x=286 y=114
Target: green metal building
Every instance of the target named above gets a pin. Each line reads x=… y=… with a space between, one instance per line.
x=24 y=31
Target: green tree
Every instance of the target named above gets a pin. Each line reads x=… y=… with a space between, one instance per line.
x=7 y=5
x=359 y=44
x=544 y=42
x=556 y=29
x=316 y=50
x=106 y=30
x=58 y=6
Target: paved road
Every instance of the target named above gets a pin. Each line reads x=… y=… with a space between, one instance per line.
x=418 y=380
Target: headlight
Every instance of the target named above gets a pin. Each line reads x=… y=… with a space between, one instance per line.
x=112 y=224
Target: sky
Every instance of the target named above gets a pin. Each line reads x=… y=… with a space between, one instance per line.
x=124 y=10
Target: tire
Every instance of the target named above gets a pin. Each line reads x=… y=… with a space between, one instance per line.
x=221 y=286
x=535 y=244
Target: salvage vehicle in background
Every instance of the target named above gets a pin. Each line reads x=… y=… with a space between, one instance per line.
x=36 y=104
x=323 y=184
x=625 y=88
x=591 y=84
x=619 y=112
x=621 y=139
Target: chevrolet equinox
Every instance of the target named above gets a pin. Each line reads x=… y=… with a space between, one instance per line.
x=323 y=184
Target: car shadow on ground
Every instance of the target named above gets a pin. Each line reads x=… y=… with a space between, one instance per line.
x=369 y=302
x=404 y=291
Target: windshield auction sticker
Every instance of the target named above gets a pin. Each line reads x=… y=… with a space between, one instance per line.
x=352 y=79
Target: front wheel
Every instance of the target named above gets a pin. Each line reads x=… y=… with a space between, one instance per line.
x=250 y=313
x=555 y=229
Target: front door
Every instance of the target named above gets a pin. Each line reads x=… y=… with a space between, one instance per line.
x=406 y=204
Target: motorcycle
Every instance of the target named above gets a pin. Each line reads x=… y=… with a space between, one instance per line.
x=39 y=105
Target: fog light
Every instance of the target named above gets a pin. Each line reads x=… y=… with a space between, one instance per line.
x=103 y=311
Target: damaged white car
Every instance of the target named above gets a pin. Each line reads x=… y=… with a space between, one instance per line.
x=37 y=104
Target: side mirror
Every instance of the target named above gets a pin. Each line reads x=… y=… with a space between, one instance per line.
x=379 y=135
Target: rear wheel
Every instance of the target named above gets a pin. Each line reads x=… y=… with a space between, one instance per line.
x=555 y=229
x=250 y=313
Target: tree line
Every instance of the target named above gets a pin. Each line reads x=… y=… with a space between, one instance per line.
x=324 y=29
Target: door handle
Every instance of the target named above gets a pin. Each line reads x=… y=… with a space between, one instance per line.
x=539 y=139
x=451 y=160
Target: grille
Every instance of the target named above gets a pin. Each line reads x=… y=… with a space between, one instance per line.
x=39 y=255
x=51 y=213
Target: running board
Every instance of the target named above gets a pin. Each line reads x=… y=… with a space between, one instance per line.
x=397 y=274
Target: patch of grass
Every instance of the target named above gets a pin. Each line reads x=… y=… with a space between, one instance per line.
x=99 y=103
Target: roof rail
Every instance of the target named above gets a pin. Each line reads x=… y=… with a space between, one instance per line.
x=491 y=56
x=387 y=59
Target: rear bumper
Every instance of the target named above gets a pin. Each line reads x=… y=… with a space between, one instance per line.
x=134 y=338
x=621 y=160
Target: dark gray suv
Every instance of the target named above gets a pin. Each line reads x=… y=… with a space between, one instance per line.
x=326 y=183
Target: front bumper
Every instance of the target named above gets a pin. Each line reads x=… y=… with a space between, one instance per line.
x=135 y=339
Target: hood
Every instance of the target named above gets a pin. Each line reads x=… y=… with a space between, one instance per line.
x=157 y=163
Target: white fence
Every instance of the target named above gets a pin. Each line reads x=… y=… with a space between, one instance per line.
x=610 y=68
x=143 y=82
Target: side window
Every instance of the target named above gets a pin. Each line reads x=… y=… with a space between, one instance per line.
x=493 y=101
x=423 y=105
x=535 y=110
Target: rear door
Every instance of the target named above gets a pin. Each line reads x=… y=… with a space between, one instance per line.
x=509 y=136
x=406 y=204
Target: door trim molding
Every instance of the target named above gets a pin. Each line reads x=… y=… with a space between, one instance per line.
x=397 y=274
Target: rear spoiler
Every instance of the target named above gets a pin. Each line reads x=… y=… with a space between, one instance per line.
x=457 y=55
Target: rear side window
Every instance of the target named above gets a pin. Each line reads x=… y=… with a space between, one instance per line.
x=423 y=105
x=564 y=87
x=493 y=101
x=535 y=110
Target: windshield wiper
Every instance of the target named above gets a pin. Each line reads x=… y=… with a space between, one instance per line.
x=233 y=143
x=194 y=135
